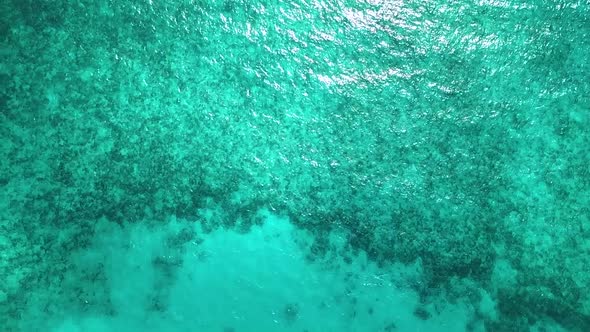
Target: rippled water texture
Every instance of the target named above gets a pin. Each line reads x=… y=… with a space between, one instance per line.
x=294 y=165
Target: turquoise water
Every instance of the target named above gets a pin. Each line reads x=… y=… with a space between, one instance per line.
x=300 y=165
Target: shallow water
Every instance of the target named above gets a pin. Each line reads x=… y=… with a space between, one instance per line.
x=294 y=166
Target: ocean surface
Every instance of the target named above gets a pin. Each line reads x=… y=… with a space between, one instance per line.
x=298 y=166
